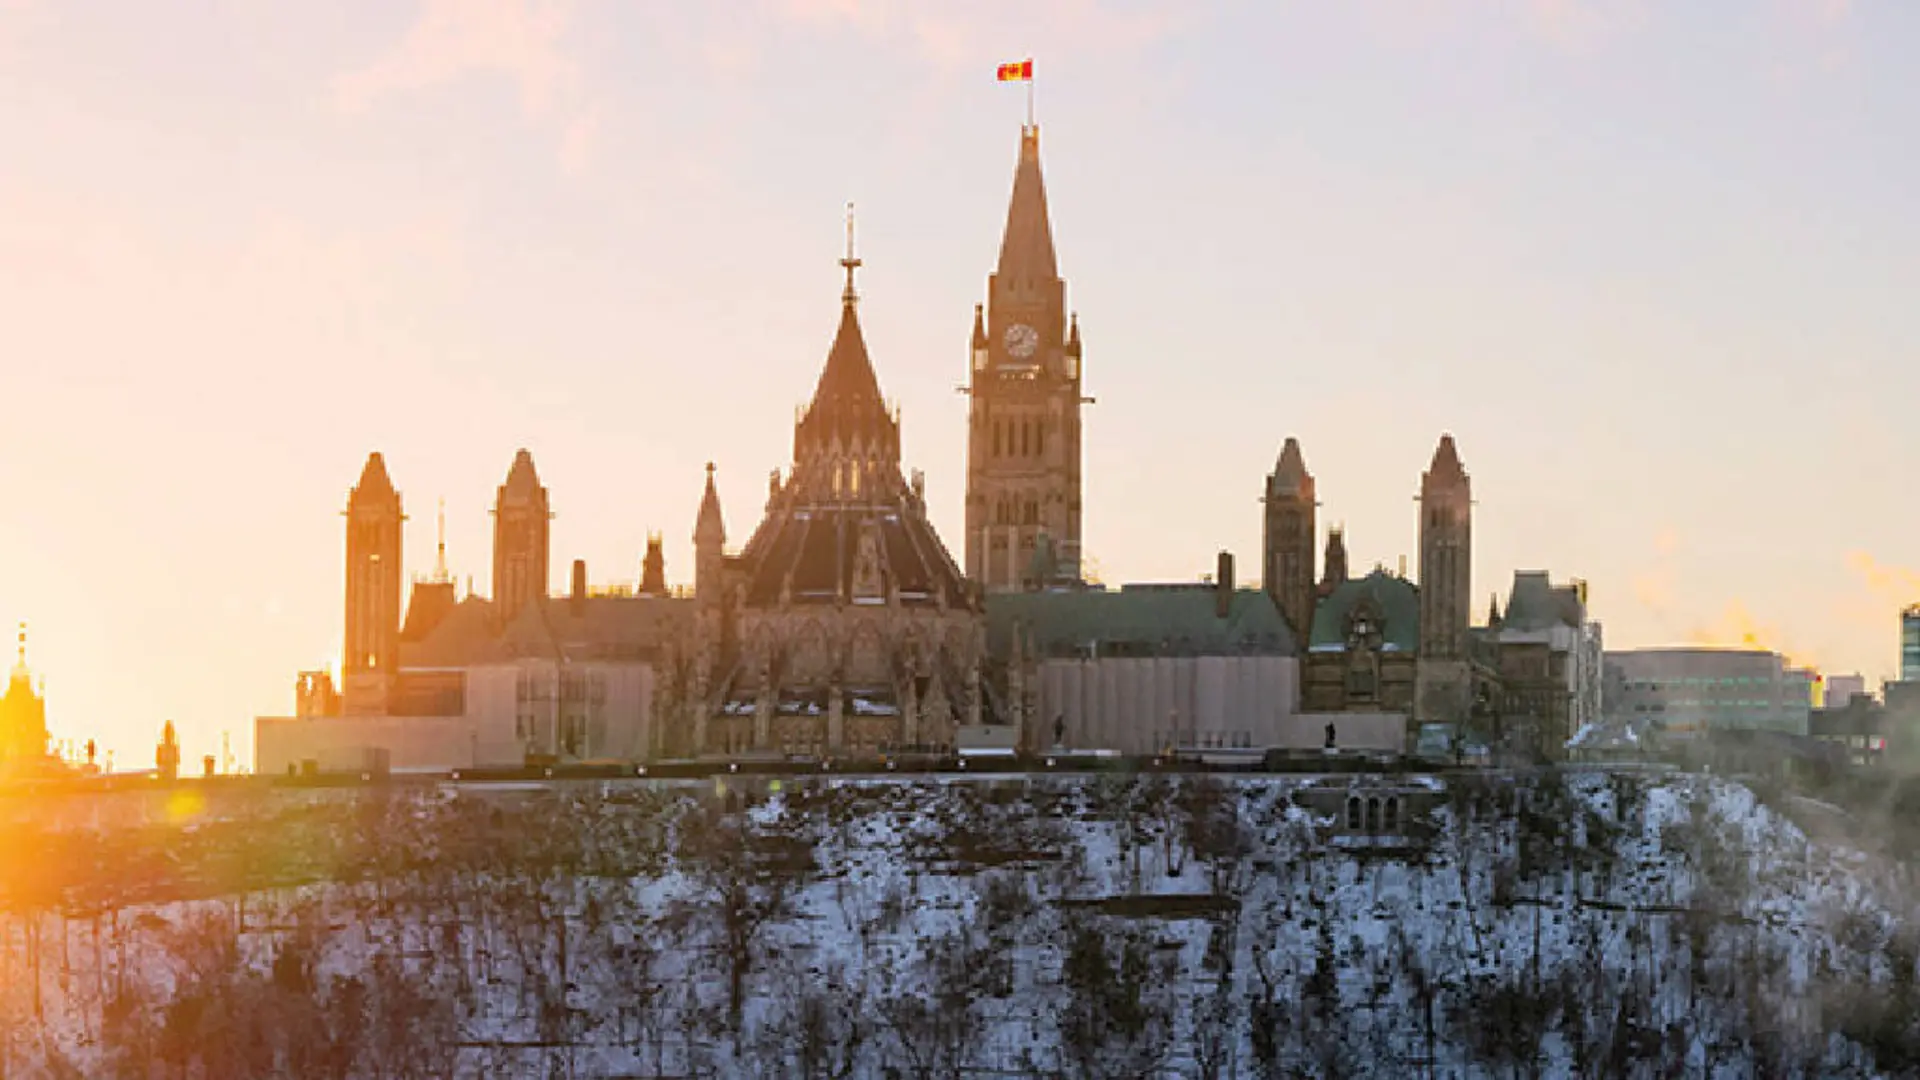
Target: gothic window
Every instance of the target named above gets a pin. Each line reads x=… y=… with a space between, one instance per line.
x=1033 y=512
x=1362 y=680
x=1353 y=811
x=996 y=438
x=1039 y=439
x=1392 y=821
x=1373 y=814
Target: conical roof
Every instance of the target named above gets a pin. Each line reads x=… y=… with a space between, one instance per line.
x=846 y=401
x=1026 y=250
x=1292 y=464
x=1446 y=461
x=709 y=526
x=847 y=383
x=374 y=483
x=523 y=482
x=1290 y=470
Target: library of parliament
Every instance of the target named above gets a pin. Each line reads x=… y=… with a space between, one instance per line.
x=844 y=626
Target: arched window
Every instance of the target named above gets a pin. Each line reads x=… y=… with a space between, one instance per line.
x=1373 y=814
x=1033 y=512
x=1353 y=811
x=1026 y=438
x=996 y=438
x=1392 y=821
x=1039 y=439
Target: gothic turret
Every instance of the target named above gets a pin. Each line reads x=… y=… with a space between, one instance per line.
x=709 y=540
x=521 y=524
x=1288 y=541
x=1444 y=681
x=653 y=568
x=373 y=585
x=1446 y=554
x=1334 y=573
x=1024 y=429
x=982 y=347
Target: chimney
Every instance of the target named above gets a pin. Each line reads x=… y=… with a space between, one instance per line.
x=1403 y=568
x=1223 y=586
x=579 y=586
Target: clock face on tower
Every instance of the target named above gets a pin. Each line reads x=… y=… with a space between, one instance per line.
x=1022 y=340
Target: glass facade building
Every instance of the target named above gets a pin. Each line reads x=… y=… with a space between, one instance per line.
x=1910 y=644
x=1689 y=691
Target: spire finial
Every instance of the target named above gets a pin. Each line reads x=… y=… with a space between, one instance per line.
x=23 y=645
x=440 y=546
x=709 y=471
x=850 y=262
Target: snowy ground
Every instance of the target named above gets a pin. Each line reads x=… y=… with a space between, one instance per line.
x=1566 y=924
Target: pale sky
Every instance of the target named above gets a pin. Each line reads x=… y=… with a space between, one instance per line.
x=1652 y=264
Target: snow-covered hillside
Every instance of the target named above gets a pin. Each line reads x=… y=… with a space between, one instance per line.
x=1586 y=924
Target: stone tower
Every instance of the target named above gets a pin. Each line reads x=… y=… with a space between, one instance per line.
x=521 y=524
x=1334 y=567
x=709 y=538
x=653 y=568
x=1023 y=436
x=1287 y=570
x=372 y=648
x=1446 y=570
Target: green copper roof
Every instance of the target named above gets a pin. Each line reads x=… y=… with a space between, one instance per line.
x=1174 y=620
x=1396 y=599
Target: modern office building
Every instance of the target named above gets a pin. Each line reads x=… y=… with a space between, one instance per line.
x=1840 y=689
x=1691 y=690
x=1910 y=644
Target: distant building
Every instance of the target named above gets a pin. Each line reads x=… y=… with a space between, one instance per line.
x=1377 y=644
x=1147 y=668
x=23 y=719
x=1548 y=655
x=1910 y=644
x=1840 y=689
x=1685 y=691
x=1860 y=726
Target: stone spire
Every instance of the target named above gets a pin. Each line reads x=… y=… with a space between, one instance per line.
x=847 y=411
x=709 y=537
x=373 y=594
x=709 y=527
x=375 y=485
x=1446 y=554
x=1026 y=249
x=522 y=523
x=1287 y=542
x=21 y=673
x=1290 y=470
x=1446 y=462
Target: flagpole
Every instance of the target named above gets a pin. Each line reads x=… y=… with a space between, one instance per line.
x=1029 y=101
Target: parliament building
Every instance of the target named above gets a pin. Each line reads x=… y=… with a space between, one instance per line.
x=845 y=628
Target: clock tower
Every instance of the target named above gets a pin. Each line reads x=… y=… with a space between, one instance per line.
x=1023 y=431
